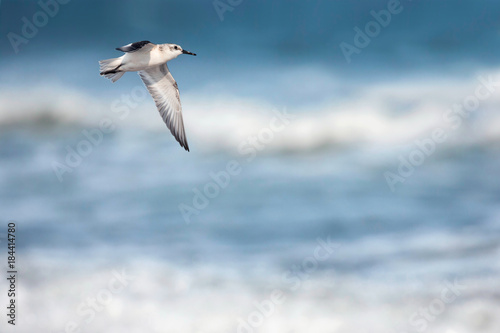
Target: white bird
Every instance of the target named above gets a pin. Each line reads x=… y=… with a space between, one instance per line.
x=150 y=60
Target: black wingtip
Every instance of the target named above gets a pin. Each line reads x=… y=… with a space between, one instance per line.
x=133 y=46
x=183 y=145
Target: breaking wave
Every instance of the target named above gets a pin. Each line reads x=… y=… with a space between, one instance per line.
x=391 y=114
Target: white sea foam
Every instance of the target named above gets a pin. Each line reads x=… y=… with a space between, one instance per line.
x=161 y=297
x=392 y=114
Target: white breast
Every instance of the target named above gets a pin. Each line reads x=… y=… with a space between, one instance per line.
x=141 y=60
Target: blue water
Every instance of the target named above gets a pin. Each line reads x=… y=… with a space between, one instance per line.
x=395 y=249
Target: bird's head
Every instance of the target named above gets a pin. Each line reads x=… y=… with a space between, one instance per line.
x=177 y=50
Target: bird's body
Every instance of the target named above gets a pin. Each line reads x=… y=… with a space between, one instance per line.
x=150 y=60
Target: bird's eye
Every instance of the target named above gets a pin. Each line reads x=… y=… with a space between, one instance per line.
x=176 y=47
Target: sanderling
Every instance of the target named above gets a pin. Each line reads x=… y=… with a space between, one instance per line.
x=150 y=60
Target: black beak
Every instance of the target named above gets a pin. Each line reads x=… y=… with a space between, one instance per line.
x=187 y=52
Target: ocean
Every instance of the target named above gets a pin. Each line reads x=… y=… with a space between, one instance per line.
x=342 y=174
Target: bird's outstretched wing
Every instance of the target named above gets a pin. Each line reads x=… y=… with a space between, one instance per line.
x=163 y=88
x=144 y=45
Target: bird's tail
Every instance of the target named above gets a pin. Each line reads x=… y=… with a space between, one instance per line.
x=110 y=68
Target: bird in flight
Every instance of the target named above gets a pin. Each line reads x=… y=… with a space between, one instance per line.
x=150 y=61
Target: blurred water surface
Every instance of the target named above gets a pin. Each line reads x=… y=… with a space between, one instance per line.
x=410 y=254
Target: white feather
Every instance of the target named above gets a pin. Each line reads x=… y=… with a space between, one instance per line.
x=163 y=88
x=150 y=60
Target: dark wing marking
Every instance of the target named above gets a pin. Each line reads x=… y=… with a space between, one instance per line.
x=133 y=46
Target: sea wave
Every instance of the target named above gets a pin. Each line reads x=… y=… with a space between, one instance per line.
x=389 y=114
x=145 y=294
